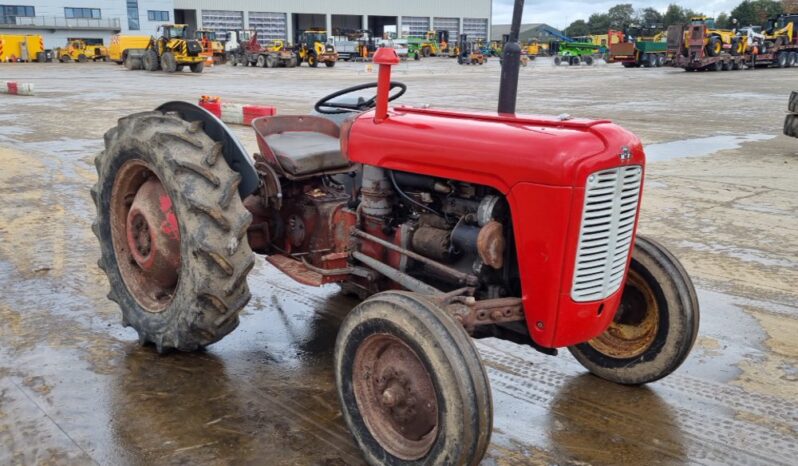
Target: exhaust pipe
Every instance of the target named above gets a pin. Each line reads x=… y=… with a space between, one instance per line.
x=511 y=63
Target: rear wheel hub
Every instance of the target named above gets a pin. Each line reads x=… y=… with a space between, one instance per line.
x=146 y=235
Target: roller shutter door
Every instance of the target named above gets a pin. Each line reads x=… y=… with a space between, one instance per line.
x=475 y=27
x=448 y=24
x=270 y=26
x=222 y=21
x=415 y=25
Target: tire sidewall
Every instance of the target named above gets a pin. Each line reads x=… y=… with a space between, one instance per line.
x=677 y=324
x=175 y=325
x=379 y=315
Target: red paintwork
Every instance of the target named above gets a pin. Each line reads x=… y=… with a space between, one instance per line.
x=541 y=164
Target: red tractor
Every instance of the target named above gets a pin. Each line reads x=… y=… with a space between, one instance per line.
x=451 y=225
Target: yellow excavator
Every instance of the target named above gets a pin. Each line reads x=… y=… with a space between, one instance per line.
x=173 y=50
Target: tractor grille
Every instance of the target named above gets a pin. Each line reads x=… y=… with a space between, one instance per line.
x=605 y=237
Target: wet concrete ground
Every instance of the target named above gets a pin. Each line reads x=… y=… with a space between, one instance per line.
x=75 y=387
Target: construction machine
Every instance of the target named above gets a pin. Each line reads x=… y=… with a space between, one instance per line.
x=470 y=52
x=172 y=50
x=427 y=46
x=780 y=30
x=211 y=46
x=249 y=51
x=715 y=40
x=82 y=50
x=450 y=225
x=312 y=48
x=639 y=46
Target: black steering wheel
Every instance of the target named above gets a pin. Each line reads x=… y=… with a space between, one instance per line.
x=325 y=106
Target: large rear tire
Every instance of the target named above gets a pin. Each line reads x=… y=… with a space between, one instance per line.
x=172 y=231
x=411 y=385
x=655 y=326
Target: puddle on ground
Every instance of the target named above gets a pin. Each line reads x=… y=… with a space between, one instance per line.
x=699 y=147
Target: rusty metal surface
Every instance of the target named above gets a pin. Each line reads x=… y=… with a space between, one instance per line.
x=464 y=278
x=76 y=389
x=145 y=235
x=395 y=394
x=636 y=322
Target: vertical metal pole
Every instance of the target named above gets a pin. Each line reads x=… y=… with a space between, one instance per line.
x=511 y=63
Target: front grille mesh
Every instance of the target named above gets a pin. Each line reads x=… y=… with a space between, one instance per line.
x=605 y=237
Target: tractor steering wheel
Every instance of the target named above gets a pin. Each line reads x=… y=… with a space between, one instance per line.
x=327 y=107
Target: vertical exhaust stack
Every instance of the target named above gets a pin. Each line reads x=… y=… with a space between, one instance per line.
x=511 y=63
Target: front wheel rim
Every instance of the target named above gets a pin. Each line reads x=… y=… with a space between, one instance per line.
x=636 y=323
x=395 y=396
x=145 y=235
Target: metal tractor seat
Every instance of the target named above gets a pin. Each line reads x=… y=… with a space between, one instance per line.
x=298 y=146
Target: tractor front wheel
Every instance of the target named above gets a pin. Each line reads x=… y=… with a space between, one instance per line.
x=411 y=384
x=655 y=326
x=66 y=59
x=313 y=62
x=82 y=58
x=197 y=67
x=168 y=62
x=172 y=231
x=329 y=64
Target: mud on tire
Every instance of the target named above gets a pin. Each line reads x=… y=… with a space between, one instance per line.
x=215 y=257
x=461 y=389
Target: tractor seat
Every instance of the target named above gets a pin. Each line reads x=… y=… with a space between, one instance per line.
x=306 y=152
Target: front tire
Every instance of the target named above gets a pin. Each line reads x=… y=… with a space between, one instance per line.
x=150 y=60
x=411 y=385
x=172 y=231
x=168 y=62
x=313 y=62
x=655 y=326
x=197 y=67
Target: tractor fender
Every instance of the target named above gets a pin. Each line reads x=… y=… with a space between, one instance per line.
x=234 y=153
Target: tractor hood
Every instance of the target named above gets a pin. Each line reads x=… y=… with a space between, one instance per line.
x=490 y=149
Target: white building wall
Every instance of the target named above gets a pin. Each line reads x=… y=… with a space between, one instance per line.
x=48 y=10
x=441 y=8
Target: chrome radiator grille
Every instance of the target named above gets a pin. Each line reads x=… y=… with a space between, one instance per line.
x=605 y=237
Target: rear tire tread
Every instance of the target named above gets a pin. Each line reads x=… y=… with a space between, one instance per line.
x=209 y=248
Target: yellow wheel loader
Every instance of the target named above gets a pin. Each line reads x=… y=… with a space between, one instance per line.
x=172 y=51
x=313 y=49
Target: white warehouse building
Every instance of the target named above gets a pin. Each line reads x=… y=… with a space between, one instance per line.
x=59 y=20
x=285 y=19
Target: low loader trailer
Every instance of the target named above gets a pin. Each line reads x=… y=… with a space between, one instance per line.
x=692 y=55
